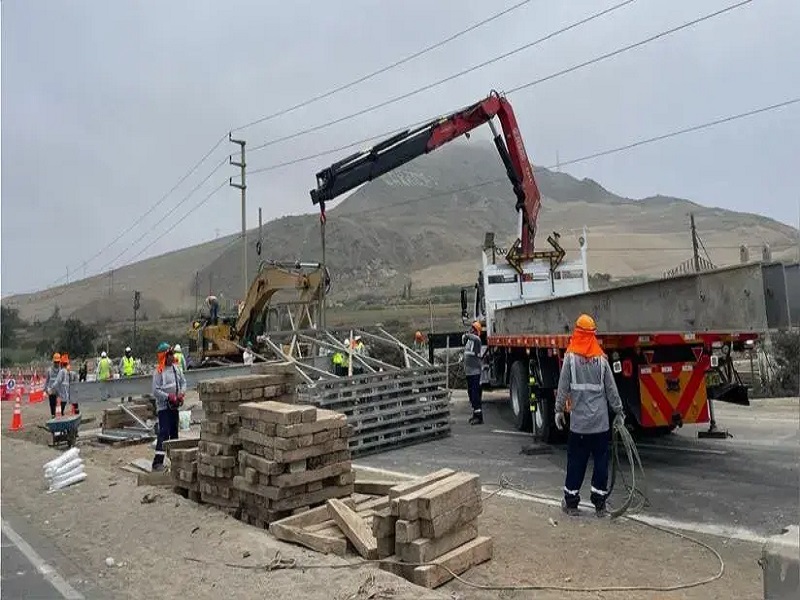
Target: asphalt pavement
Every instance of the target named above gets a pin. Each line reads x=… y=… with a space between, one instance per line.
x=749 y=482
x=24 y=572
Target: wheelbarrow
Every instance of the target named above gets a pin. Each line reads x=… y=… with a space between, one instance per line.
x=64 y=430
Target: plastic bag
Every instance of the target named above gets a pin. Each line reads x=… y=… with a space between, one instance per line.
x=185 y=419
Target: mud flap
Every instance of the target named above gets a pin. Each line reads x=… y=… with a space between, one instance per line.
x=733 y=393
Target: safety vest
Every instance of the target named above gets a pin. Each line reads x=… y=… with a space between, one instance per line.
x=338 y=358
x=104 y=369
x=128 y=366
x=180 y=361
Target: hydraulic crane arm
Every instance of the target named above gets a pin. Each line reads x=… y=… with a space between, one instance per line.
x=403 y=147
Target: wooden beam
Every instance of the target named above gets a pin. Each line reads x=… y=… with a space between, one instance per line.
x=355 y=528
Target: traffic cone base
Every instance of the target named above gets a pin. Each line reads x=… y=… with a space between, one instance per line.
x=16 y=420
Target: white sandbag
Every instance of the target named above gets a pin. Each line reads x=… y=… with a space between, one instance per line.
x=67 y=456
x=185 y=419
x=67 y=475
x=63 y=468
x=70 y=481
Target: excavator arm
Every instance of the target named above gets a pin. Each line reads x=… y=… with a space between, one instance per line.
x=405 y=146
x=273 y=278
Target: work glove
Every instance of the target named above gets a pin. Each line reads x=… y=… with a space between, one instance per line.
x=560 y=421
x=619 y=420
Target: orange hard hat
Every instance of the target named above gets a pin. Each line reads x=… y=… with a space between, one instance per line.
x=476 y=325
x=586 y=323
x=418 y=336
x=56 y=357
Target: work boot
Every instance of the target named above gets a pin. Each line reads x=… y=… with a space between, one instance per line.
x=477 y=418
x=600 y=512
x=569 y=510
x=158 y=468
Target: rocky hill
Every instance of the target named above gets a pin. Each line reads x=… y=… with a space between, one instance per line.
x=411 y=225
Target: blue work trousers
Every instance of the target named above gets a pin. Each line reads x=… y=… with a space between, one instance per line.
x=579 y=447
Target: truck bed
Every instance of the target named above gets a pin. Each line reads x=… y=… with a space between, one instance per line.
x=744 y=298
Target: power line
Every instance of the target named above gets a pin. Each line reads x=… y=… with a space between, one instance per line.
x=519 y=87
x=629 y=47
x=179 y=221
x=152 y=208
x=292 y=108
x=615 y=150
x=439 y=82
x=384 y=69
x=170 y=212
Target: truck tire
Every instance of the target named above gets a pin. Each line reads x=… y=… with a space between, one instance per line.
x=519 y=395
x=544 y=422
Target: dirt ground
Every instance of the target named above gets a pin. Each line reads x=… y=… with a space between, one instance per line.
x=104 y=516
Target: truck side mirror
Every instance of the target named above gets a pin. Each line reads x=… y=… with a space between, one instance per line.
x=464 y=314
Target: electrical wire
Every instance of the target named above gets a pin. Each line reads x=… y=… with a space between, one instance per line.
x=185 y=199
x=608 y=152
x=152 y=208
x=629 y=47
x=439 y=82
x=384 y=69
x=287 y=110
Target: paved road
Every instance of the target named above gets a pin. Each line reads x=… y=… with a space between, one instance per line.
x=25 y=574
x=750 y=481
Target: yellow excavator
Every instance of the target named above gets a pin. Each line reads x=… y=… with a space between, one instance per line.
x=302 y=282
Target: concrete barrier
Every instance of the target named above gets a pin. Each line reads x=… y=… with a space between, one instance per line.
x=780 y=562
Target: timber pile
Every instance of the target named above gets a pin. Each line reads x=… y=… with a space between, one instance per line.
x=183 y=466
x=292 y=458
x=116 y=417
x=432 y=519
x=219 y=444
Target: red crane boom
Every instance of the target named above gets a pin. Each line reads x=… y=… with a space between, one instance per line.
x=407 y=145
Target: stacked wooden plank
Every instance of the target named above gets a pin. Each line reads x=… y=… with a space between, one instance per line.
x=435 y=520
x=292 y=458
x=183 y=467
x=432 y=519
x=387 y=409
x=219 y=445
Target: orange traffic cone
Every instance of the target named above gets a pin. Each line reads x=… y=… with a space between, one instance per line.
x=58 y=408
x=16 y=420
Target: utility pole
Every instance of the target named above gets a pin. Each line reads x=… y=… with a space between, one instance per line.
x=259 y=246
x=196 y=290
x=322 y=291
x=243 y=187
x=136 y=304
x=695 y=248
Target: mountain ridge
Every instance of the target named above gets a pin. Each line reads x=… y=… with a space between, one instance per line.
x=424 y=223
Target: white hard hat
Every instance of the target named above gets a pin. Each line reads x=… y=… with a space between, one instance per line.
x=346 y=341
x=177 y=348
x=127 y=348
x=358 y=338
x=103 y=354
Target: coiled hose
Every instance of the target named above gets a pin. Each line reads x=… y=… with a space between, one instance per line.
x=635 y=498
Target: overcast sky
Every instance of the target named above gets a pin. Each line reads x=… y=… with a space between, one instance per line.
x=105 y=104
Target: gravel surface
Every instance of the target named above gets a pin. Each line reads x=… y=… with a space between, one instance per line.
x=104 y=517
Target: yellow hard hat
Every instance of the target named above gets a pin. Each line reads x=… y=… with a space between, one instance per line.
x=586 y=323
x=476 y=325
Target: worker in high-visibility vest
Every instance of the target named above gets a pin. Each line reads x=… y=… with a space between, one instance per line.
x=104 y=372
x=127 y=366
x=586 y=377
x=338 y=361
x=180 y=359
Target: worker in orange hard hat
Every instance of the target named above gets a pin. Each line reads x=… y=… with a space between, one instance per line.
x=587 y=378
x=50 y=383
x=473 y=363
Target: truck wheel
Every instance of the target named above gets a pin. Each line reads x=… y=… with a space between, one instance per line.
x=520 y=395
x=544 y=423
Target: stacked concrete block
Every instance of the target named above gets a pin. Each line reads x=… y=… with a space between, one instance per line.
x=292 y=458
x=219 y=444
x=432 y=519
x=183 y=466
